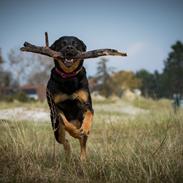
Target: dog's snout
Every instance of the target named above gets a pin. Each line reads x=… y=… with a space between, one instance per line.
x=69 y=51
x=69 y=48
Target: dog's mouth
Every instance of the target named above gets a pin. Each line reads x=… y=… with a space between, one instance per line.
x=68 y=62
x=69 y=58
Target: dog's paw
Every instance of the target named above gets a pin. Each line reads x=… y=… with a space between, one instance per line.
x=84 y=131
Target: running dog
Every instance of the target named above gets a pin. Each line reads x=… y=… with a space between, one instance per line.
x=68 y=95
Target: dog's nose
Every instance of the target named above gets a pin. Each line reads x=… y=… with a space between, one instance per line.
x=69 y=48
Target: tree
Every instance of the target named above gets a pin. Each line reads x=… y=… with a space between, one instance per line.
x=170 y=81
x=158 y=84
x=105 y=83
x=29 y=68
x=5 y=77
x=41 y=75
x=125 y=80
x=173 y=71
x=148 y=83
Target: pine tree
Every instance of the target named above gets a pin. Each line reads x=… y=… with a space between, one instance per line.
x=173 y=71
x=105 y=85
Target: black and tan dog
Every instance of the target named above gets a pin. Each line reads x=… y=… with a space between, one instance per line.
x=68 y=95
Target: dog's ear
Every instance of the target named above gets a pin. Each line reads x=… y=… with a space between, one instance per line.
x=54 y=46
x=83 y=45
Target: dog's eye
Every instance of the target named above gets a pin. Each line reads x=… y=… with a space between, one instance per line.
x=64 y=43
x=73 y=43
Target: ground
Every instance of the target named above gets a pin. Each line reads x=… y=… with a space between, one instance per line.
x=136 y=141
x=41 y=114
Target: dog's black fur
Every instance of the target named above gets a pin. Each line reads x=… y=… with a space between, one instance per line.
x=73 y=108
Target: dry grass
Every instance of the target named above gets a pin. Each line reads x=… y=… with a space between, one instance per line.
x=148 y=148
x=31 y=104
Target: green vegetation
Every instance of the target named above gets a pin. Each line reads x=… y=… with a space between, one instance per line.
x=170 y=81
x=145 y=148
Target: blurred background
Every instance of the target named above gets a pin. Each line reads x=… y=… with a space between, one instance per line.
x=149 y=31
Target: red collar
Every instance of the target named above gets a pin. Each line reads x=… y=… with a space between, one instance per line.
x=67 y=75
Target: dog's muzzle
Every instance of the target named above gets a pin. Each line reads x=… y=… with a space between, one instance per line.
x=68 y=62
x=69 y=53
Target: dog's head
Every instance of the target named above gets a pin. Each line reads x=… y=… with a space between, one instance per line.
x=70 y=47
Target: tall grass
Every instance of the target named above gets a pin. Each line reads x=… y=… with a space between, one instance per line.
x=148 y=148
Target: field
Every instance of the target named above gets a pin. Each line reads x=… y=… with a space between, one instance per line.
x=139 y=141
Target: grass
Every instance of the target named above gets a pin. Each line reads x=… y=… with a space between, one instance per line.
x=147 y=148
x=31 y=104
x=151 y=104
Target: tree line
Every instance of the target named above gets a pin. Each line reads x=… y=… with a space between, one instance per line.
x=35 y=69
x=155 y=85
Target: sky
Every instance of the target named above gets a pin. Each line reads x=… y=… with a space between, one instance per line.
x=145 y=29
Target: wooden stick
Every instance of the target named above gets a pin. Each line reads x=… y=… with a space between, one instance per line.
x=41 y=50
x=58 y=56
x=101 y=52
x=46 y=39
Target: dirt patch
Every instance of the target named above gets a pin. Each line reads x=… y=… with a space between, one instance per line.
x=120 y=107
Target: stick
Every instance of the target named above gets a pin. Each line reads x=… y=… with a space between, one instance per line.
x=46 y=39
x=57 y=55
x=101 y=52
x=41 y=50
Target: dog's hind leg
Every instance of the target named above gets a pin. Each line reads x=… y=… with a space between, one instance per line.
x=83 y=141
x=57 y=124
x=59 y=133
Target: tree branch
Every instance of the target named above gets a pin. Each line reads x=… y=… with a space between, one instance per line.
x=46 y=39
x=101 y=52
x=57 y=55
x=41 y=50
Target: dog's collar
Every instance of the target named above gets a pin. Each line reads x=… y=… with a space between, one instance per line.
x=67 y=75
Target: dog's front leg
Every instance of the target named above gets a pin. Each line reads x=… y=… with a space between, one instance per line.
x=76 y=133
x=69 y=127
x=83 y=96
x=87 y=122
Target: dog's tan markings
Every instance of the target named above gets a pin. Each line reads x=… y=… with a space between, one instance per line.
x=81 y=95
x=61 y=97
x=87 y=121
x=69 y=127
x=69 y=69
x=76 y=123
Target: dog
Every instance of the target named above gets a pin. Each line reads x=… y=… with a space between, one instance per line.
x=68 y=95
